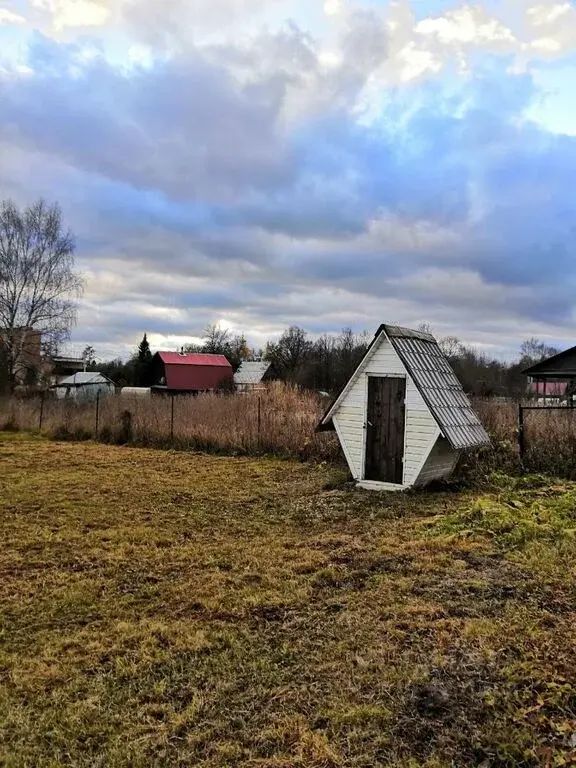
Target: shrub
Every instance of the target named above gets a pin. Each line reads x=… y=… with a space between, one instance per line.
x=9 y=425
x=61 y=432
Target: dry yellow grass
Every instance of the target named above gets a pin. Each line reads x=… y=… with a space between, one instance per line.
x=175 y=609
x=280 y=420
x=286 y=427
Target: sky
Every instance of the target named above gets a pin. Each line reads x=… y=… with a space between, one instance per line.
x=323 y=163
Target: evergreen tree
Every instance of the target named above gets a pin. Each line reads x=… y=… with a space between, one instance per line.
x=143 y=367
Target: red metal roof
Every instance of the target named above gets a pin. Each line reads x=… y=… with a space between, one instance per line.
x=193 y=358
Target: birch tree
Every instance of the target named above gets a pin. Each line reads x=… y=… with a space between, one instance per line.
x=38 y=283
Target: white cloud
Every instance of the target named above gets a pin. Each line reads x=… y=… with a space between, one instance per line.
x=540 y=15
x=468 y=24
x=8 y=18
x=75 y=13
x=415 y=62
x=332 y=7
x=546 y=45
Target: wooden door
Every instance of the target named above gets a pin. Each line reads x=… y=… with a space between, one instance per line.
x=385 y=429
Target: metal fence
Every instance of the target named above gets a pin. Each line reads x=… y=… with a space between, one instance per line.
x=541 y=422
x=280 y=421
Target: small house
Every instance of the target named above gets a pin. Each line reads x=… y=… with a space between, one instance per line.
x=253 y=375
x=190 y=373
x=25 y=348
x=403 y=418
x=84 y=386
x=553 y=380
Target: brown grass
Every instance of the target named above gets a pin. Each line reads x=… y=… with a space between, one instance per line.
x=550 y=439
x=230 y=424
x=279 y=420
x=161 y=608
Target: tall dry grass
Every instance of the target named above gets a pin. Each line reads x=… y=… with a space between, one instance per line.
x=278 y=420
x=549 y=439
x=281 y=420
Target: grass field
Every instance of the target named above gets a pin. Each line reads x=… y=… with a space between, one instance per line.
x=175 y=609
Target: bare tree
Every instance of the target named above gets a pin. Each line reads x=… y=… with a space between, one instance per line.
x=451 y=346
x=89 y=357
x=533 y=351
x=38 y=284
x=290 y=353
x=219 y=341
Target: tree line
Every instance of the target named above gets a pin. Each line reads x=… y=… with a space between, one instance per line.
x=326 y=363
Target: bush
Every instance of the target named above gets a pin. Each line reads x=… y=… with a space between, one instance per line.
x=61 y=432
x=9 y=425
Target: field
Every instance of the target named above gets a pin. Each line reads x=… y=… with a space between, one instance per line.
x=280 y=421
x=161 y=608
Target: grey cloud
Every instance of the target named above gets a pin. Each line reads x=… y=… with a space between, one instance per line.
x=186 y=128
x=205 y=170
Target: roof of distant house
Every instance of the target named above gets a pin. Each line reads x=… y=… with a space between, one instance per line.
x=251 y=372
x=84 y=378
x=192 y=358
x=562 y=365
x=64 y=359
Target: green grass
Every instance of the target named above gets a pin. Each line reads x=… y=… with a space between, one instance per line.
x=175 y=609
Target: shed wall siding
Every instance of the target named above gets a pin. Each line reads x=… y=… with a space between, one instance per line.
x=440 y=463
x=350 y=416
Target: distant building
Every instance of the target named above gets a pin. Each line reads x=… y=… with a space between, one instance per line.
x=26 y=345
x=61 y=368
x=190 y=372
x=554 y=378
x=253 y=375
x=84 y=386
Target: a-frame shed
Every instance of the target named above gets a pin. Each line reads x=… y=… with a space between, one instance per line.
x=403 y=418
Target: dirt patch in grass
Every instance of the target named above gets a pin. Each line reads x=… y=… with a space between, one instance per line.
x=176 y=609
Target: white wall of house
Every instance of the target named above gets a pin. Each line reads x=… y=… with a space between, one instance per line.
x=421 y=460
x=440 y=464
x=86 y=391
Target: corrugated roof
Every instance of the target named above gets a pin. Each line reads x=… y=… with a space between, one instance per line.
x=440 y=389
x=435 y=380
x=83 y=378
x=192 y=358
x=251 y=372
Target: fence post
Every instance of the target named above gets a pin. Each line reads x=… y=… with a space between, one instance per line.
x=97 y=413
x=259 y=418
x=126 y=435
x=42 y=396
x=521 y=434
x=172 y=419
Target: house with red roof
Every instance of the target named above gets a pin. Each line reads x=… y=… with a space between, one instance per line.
x=190 y=373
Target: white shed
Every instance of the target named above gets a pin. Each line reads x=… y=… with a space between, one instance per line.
x=252 y=375
x=85 y=386
x=403 y=418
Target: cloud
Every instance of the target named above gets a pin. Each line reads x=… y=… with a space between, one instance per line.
x=185 y=127
x=74 y=13
x=466 y=25
x=252 y=178
x=7 y=17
